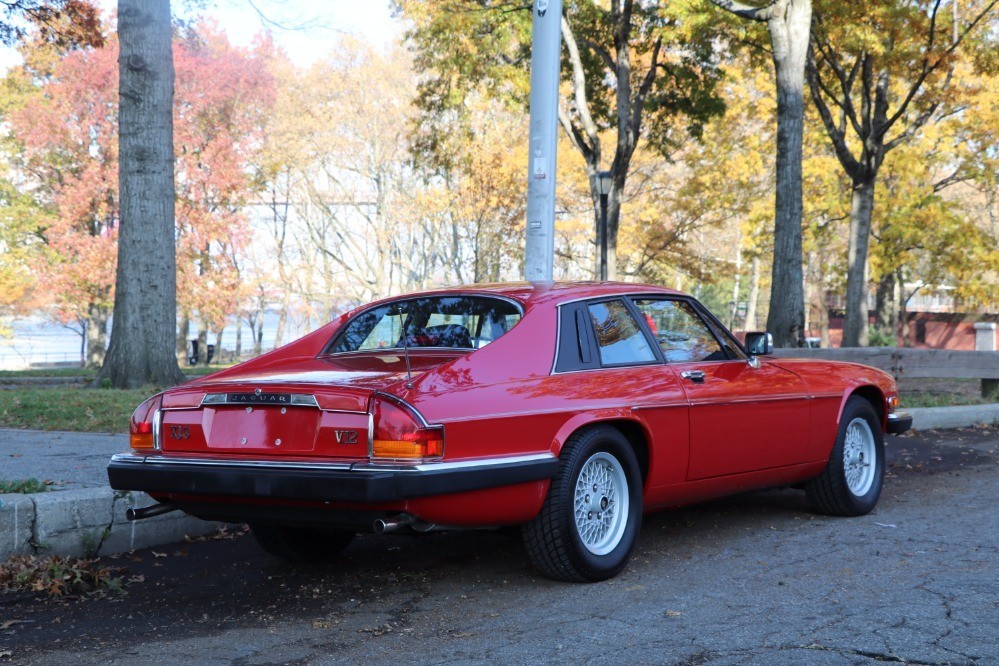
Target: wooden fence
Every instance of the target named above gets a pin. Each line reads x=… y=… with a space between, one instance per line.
x=915 y=363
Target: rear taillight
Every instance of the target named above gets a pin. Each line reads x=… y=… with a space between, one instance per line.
x=141 y=428
x=398 y=431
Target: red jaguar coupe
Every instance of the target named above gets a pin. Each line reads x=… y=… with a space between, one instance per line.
x=569 y=409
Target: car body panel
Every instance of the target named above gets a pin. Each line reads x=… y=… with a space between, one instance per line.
x=506 y=414
x=728 y=435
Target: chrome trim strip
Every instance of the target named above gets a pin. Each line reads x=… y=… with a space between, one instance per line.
x=139 y=459
x=295 y=400
x=399 y=402
x=304 y=400
x=558 y=338
x=371 y=433
x=480 y=463
x=256 y=463
x=743 y=401
x=157 y=427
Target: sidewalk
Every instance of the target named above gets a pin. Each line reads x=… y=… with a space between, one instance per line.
x=81 y=516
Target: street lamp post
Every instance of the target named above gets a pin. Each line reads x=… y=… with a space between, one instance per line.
x=604 y=187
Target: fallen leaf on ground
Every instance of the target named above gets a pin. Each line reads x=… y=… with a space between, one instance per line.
x=10 y=623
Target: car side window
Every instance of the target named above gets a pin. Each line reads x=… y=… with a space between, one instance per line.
x=619 y=337
x=681 y=333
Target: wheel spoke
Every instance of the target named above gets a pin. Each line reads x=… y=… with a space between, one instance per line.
x=600 y=503
x=858 y=455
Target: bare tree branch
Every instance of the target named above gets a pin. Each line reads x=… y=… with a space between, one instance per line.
x=930 y=68
x=741 y=10
x=846 y=158
x=579 y=86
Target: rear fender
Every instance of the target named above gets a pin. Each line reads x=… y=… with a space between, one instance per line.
x=609 y=416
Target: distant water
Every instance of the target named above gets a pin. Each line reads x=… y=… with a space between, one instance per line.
x=38 y=341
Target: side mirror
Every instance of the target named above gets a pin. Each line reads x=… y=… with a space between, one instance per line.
x=759 y=344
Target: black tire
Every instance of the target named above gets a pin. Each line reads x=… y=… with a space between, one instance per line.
x=852 y=489
x=301 y=544
x=553 y=538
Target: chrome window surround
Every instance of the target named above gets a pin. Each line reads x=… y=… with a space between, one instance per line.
x=703 y=311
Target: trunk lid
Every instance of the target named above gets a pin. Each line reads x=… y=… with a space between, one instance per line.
x=310 y=412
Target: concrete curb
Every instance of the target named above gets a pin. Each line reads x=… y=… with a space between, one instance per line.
x=86 y=523
x=962 y=416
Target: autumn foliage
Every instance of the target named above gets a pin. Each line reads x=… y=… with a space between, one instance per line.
x=65 y=124
x=305 y=190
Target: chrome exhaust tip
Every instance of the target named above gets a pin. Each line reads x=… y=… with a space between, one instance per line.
x=387 y=525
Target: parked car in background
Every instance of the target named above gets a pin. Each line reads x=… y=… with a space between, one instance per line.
x=568 y=409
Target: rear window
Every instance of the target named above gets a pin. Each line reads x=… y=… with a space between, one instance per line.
x=453 y=322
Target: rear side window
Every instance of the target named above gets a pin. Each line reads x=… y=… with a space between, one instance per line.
x=454 y=322
x=619 y=338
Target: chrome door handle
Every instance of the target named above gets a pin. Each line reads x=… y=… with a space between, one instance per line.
x=696 y=376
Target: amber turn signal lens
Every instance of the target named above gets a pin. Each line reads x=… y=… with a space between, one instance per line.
x=140 y=428
x=388 y=448
x=401 y=433
x=141 y=441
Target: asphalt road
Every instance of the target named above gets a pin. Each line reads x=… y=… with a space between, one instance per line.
x=756 y=579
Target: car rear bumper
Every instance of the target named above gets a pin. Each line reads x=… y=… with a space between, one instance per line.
x=323 y=482
x=899 y=422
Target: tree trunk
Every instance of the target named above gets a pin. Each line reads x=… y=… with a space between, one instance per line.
x=202 y=344
x=886 y=305
x=856 y=317
x=239 y=338
x=282 y=321
x=84 y=325
x=257 y=330
x=789 y=35
x=217 y=358
x=183 y=331
x=143 y=343
x=96 y=331
x=754 y=294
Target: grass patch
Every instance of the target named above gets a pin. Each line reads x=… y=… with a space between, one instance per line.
x=91 y=373
x=50 y=372
x=202 y=370
x=60 y=576
x=24 y=486
x=71 y=408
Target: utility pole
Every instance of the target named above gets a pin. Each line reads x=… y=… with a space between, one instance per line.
x=546 y=47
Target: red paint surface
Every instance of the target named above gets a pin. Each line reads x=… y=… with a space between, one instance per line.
x=742 y=428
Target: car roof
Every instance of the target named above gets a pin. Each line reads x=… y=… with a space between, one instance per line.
x=537 y=293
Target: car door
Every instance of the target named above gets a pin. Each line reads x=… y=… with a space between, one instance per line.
x=744 y=416
x=607 y=361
